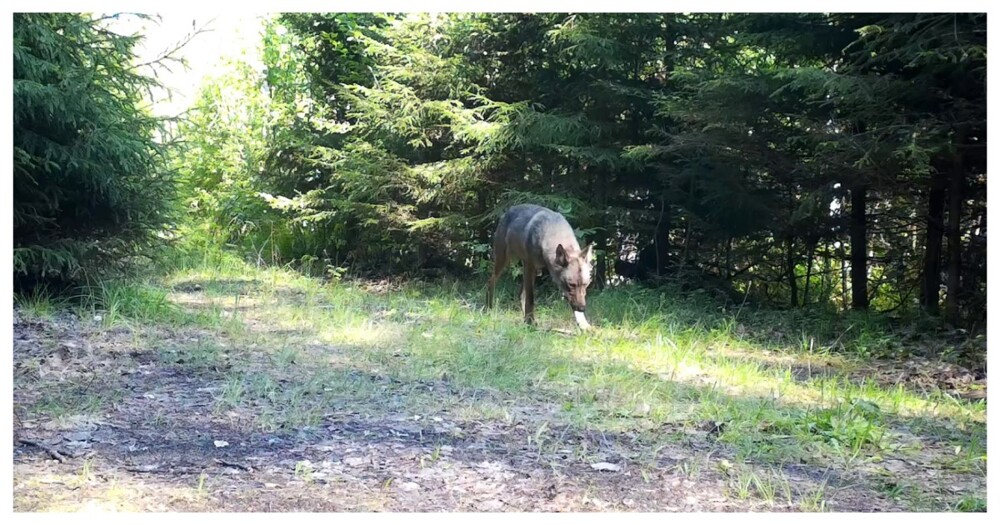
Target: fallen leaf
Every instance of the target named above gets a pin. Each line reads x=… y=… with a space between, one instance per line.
x=220 y=443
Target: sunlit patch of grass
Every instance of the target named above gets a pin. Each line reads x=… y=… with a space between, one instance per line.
x=634 y=370
x=354 y=332
x=770 y=389
x=106 y=493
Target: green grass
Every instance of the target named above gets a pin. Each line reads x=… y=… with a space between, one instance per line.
x=777 y=387
x=198 y=356
x=770 y=486
x=971 y=504
x=39 y=303
x=74 y=400
x=118 y=302
x=653 y=360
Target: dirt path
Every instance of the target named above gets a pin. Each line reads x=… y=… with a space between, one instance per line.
x=155 y=444
x=144 y=430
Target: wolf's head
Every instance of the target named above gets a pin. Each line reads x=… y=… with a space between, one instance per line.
x=572 y=274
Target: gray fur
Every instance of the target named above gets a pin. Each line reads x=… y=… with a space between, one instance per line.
x=541 y=239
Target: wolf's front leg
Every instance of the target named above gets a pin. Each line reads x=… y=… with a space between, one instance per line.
x=528 y=295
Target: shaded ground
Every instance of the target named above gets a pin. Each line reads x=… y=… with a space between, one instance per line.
x=153 y=418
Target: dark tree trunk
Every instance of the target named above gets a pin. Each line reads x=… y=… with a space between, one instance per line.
x=687 y=243
x=930 y=290
x=955 y=184
x=729 y=258
x=827 y=272
x=859 y=248
x=809 y=266
x=662 y=238
x=843 y=277
x=793 y=284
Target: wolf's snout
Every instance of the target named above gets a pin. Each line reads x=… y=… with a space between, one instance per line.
x=578 y=304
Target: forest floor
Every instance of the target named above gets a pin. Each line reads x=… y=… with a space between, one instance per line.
x=236 y=388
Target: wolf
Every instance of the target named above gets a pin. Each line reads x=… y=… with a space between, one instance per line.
x=542 y=239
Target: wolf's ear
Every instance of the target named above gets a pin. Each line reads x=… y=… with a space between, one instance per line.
x=588 y=253
x=561 y=259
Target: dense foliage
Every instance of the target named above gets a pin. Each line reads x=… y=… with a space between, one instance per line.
x=91 y=196
x=822 y=160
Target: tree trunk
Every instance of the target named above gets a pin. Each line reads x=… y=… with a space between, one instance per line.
x=827 y=272
x=729 y=258
x=793 y=284
x=930 y=290
x=662 y=238
x=687 y=243
x=843 y=278
x=859 y=248
x=956 y=182
x=809 y=266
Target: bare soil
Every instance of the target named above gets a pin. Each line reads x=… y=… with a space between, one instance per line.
x=102 y=422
